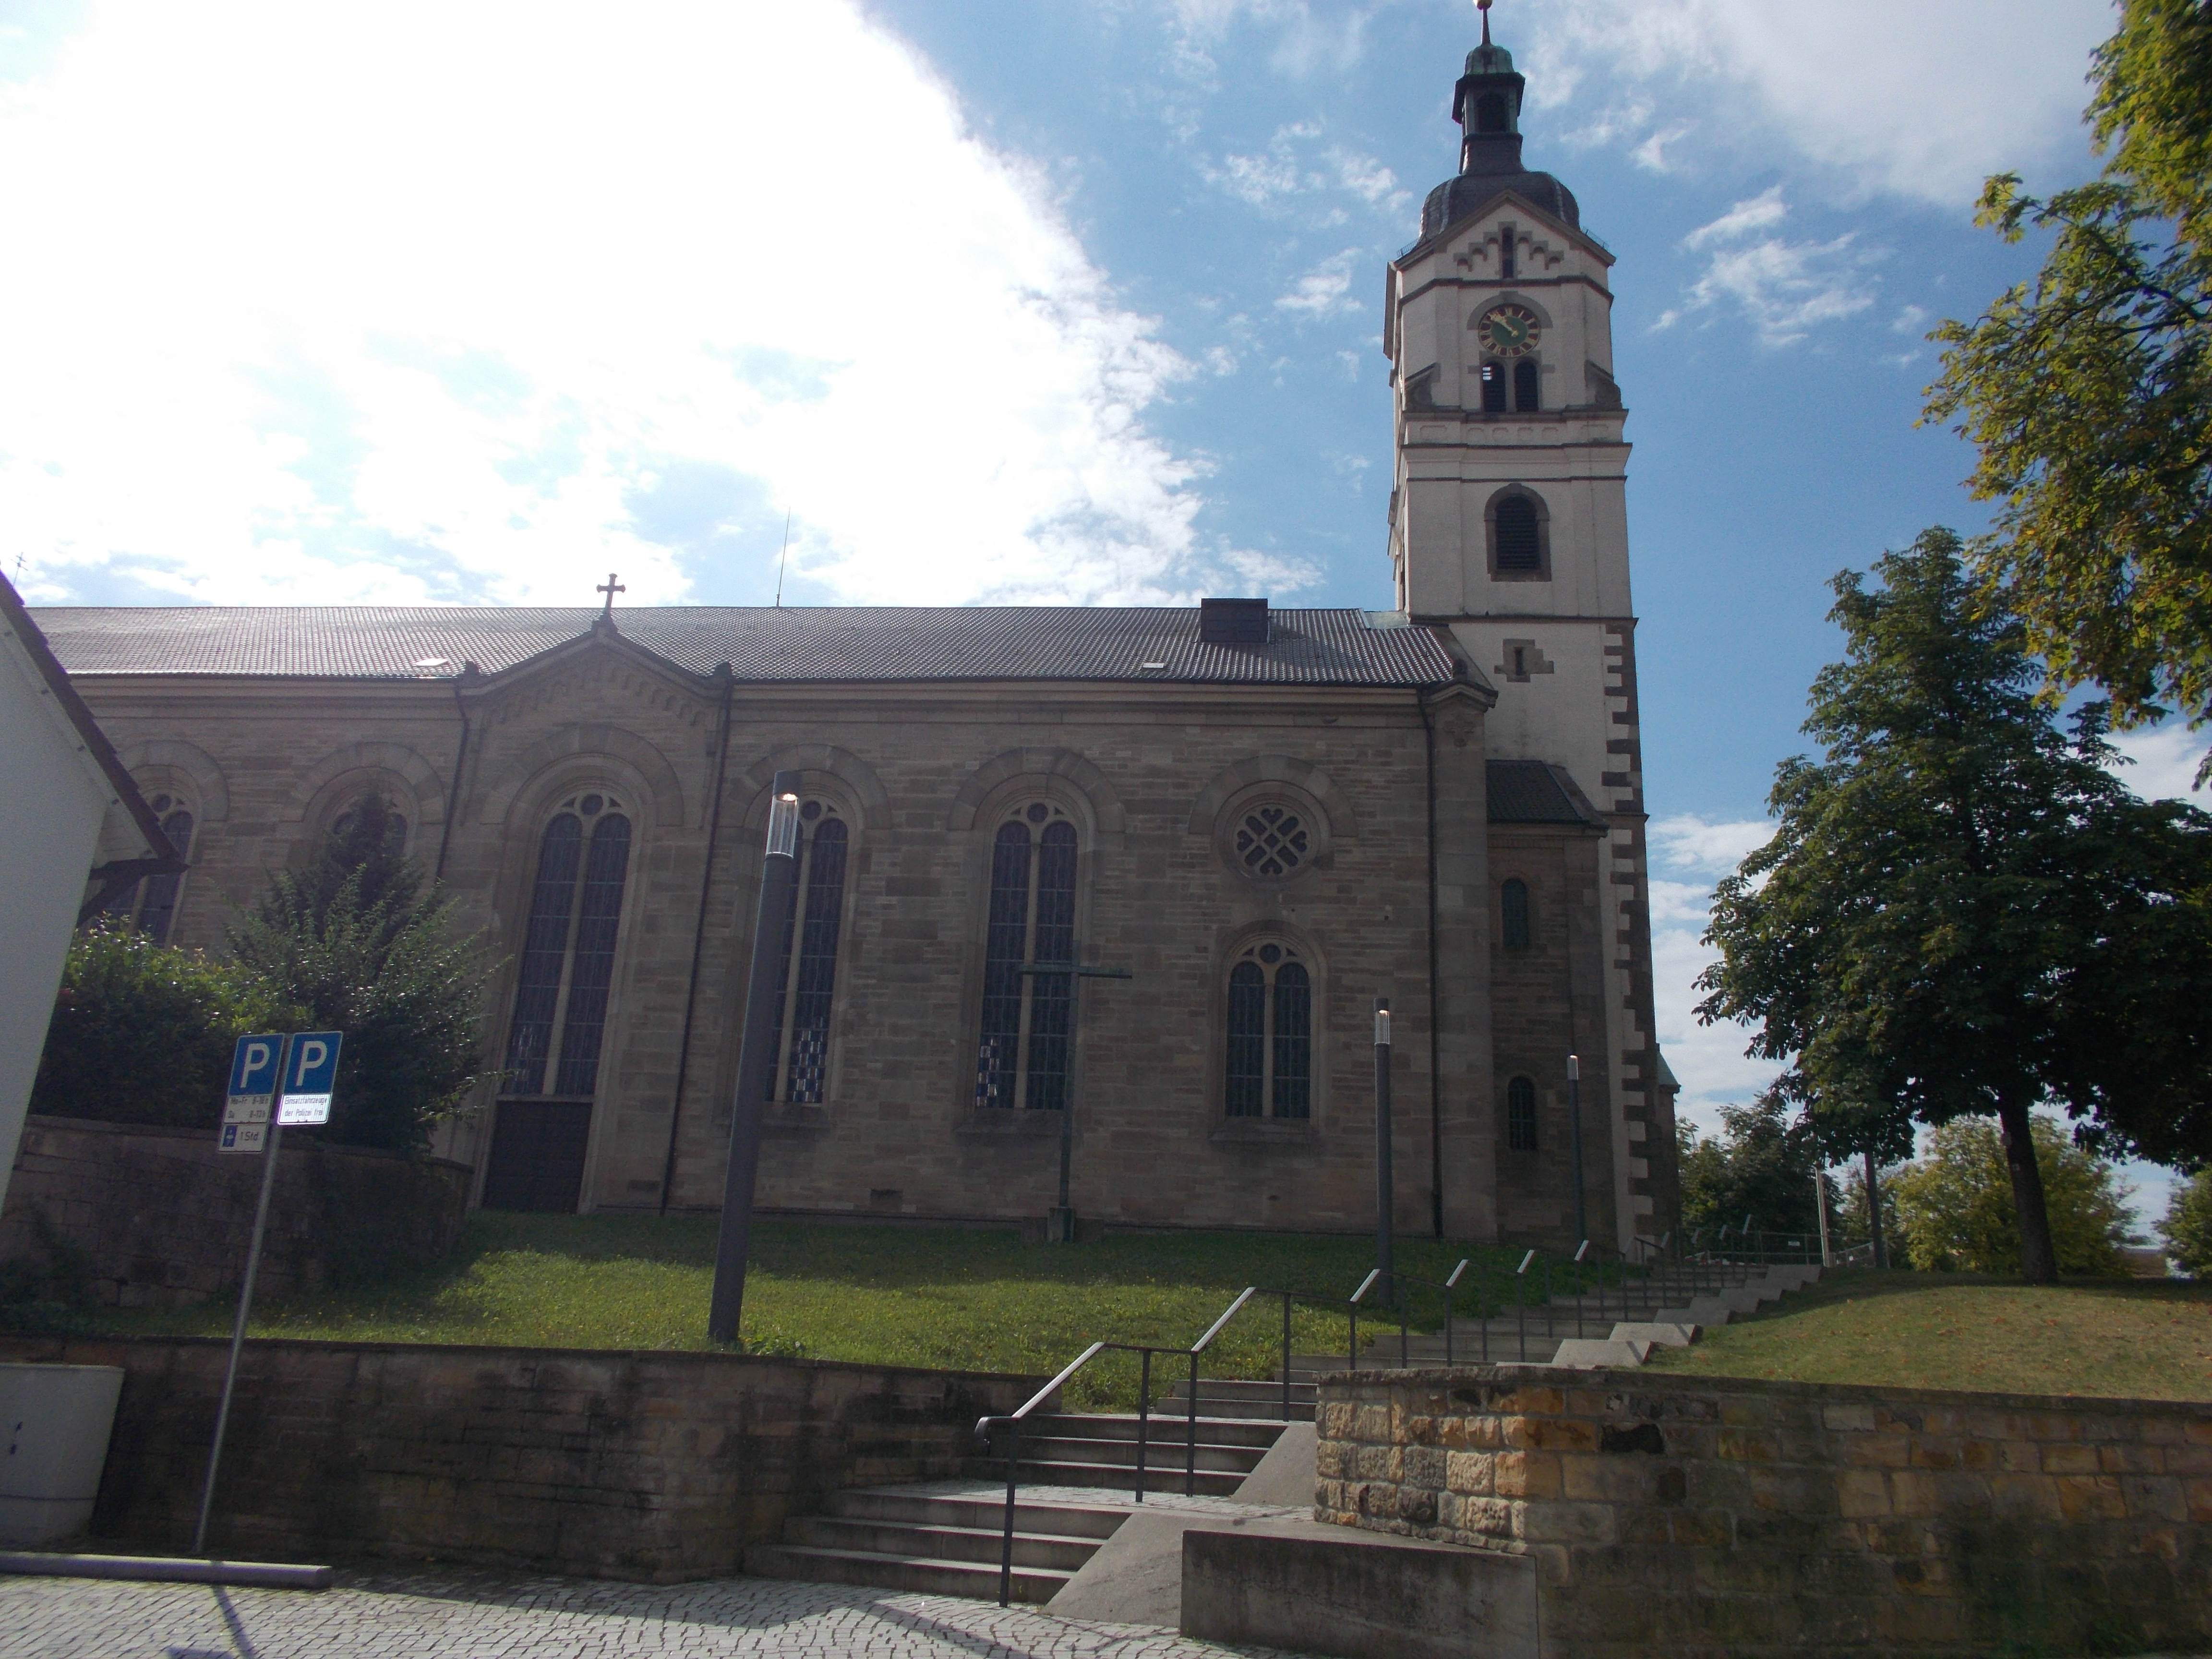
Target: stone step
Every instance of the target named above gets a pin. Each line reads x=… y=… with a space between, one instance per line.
x=1115 y=1477
x=924 y=1574
x=1118 y=1453
x=1587 y=1354
x=1224 y=1430
x=1031 y=1514
x=930 y=1542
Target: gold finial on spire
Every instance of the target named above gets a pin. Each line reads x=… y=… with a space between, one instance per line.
x=1483 y=6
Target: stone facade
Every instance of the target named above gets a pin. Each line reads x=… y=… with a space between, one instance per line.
x=158 y=1217
x=1712 y=1516
x=658 y=1467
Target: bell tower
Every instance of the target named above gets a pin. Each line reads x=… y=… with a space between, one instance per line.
x=1509 y=527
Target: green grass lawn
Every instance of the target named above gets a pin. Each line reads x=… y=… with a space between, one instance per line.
x=956 y=1297
x=2140 y=1339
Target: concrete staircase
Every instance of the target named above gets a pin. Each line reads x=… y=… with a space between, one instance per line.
x=1077 y=1475
x=1583 y=1333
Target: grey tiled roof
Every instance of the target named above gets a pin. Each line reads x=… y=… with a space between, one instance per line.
x=857 y=644
x=1537 y=792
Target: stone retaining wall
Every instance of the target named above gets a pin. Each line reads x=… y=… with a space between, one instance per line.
x=658 y=1467
x=158 y=1217
x=1718 y=1516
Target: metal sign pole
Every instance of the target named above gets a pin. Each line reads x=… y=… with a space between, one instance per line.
x=1060 y=1225
x=1575 y=1142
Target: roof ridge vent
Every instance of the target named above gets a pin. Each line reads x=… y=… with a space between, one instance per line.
x=1232 y=621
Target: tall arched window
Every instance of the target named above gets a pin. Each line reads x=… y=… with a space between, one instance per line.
x=568 y=949
x=151 y=905
x=1520 y=541
x=809 y=972
x=1270 y=1026
x=1513 y=907
x=1527 y=383
x=1493 y=388
x=1022 y=1058
x=1521 y=1115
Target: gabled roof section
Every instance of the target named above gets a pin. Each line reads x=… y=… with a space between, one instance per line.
x=1538 y=792
x=1475 y=195
x=761 y=644
x=16 y=619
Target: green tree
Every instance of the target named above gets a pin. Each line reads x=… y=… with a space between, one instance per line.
x=357 y=942
x=2088 y=392
x=1761 y=1164
x=2187 y=1227
x=142 y=1033
x=1959 y=897
x=1956 y=1208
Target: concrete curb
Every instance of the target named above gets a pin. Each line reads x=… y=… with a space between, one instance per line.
x=161 y=1569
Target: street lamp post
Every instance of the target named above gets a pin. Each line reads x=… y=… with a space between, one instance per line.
x=1386 y=1230
x=1060 y=1225
x=1574 y=1141
x=756 y=1058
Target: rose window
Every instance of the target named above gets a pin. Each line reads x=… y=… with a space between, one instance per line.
x=1271 y=841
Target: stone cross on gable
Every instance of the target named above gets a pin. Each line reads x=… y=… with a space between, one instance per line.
x=609 y=588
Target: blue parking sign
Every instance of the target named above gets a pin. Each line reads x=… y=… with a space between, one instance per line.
x=311 y=1072
x=253 y=1064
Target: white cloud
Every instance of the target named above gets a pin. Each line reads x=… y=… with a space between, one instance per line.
x=1305 y=44
x=476 y=303
x=1326 y=289
x=1897 y=96
x=1785 y=288
x=1708 y=1059
x=1291 y=165
x=1692 y=844
x=2166 y=758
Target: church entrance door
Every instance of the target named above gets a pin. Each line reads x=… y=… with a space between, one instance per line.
x=537 y=1149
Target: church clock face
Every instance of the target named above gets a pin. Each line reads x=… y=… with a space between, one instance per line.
x=1509 y=330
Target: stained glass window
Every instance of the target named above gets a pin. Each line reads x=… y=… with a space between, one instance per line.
x=1513 y=906
x=1269 y=1068
x=809 y=979
x=567 y=970
x=1521 y=1115
x=1024 y=1053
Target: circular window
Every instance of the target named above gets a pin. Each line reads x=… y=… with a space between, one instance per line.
x=160 y=803
x=590 y=805
x=811 y=810
x=1272 y=840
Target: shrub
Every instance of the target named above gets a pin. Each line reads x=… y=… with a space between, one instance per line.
x=358 y=943
x=1761 y=1165
x=1956 y=1208
x=142 y=1033
x=2188 y=1225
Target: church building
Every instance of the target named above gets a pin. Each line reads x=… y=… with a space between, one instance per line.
x=1269 y=816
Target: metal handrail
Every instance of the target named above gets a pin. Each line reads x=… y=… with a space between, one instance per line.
x=1013 y=1420
x=1405 y=1338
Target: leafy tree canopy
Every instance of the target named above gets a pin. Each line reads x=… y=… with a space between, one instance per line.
x=1962 y=913
x=1956 y=1207
x=2088 y=392
x=2188 y=1226
x=359 y=944
x=1761 y=1165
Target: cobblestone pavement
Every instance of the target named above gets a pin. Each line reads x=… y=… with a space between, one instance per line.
x=456 y=1615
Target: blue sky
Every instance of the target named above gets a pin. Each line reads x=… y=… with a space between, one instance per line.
x=1070 y=302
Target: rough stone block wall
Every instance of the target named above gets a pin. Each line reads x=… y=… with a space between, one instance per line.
x=163 y=1220
x=651 y=1466
x=1718 y=1516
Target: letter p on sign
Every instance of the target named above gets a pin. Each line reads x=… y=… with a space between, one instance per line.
x=314 y=1072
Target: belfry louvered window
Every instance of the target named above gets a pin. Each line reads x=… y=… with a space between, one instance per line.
x=809 y=958
x=1528 y=383
x=1520 y=540
x=568 y=949
x=1021 y=1059
x=1493 y=388
x=1521 y=1115
x=1270 y=1025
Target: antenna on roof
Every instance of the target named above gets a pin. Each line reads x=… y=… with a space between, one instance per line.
x=783 y=559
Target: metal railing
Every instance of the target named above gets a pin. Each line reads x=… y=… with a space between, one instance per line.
x=1398 y=1304
x=1013 y=1420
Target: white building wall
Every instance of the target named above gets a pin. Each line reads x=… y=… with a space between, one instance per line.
x=53 y=797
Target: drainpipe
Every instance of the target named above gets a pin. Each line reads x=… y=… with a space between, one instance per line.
x=469 y=672
x=699 y=932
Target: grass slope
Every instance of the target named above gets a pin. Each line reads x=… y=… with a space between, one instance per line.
x=962 y=1298
x=2125 y=1339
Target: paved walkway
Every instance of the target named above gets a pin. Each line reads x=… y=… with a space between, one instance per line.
x=457 y=1615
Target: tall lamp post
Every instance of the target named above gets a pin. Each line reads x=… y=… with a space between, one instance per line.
x=756 y=1058
x=1060 y=1225
x=1575 y=1142
x=1386 y=1220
